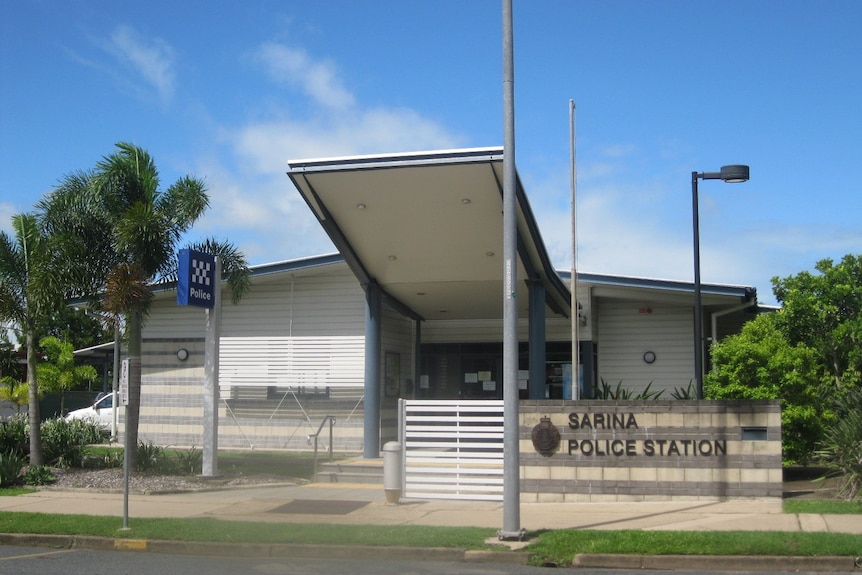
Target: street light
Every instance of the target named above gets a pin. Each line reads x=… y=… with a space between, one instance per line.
x=732 y=174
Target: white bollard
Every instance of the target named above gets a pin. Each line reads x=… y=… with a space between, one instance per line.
x=392 y=471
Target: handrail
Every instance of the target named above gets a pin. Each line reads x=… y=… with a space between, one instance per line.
x=331 y=419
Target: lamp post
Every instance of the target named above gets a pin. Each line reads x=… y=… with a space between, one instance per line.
x=732 y=174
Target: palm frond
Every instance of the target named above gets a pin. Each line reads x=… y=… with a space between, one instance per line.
x=127 y=290
x=185 y=201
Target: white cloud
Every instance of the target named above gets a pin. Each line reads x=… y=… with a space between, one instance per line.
x=317 y=79
x=258 y=200
x=269 y=145
x=254 y=203
x=261 y=214
x=6 y=213
x=153 y=59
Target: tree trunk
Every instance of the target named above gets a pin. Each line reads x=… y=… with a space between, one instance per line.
x=133 y=410
x=33 y=409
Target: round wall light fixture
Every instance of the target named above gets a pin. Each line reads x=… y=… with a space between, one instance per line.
x=182 y=354
x=649 y=357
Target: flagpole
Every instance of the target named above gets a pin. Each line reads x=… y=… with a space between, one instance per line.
x=576 y=355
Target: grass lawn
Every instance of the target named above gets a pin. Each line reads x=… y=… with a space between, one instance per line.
x=547 y=547
x=823 y=507
x=552 y=546
x=560 y=546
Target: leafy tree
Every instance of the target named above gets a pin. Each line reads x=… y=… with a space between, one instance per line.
x=824 y=312
x=11 y=374
x=59 y=372
x=77 y=326
x=9 y=365
x=759 y=363
x=15 y=391
x=122 y=234
x=29 y=289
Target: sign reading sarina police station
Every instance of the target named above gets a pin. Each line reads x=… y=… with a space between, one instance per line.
x=196 y=279
x=640 y=450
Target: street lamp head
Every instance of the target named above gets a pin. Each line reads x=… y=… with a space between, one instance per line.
x=734 y=174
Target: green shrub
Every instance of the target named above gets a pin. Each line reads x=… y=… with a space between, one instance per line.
x=64 y=443
x=842 y=444
x=150 y=457
x=760 y=363
x=39 y=475
x=605 y=391
x=15 y=435
x=112 y=458
x=190 y=462
x=648 y=393
x=11 y=465
x=683 y=393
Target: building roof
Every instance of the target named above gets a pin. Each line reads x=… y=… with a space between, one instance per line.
x=627 y=287
x=427 y=228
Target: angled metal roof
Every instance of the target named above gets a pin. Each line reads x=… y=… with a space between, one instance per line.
x=628 y=287
x=427 y=227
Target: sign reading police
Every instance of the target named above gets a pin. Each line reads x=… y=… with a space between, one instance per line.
x=195 y=281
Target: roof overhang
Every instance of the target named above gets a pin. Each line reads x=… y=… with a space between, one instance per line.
x=427 y=228
x=101 y=350
x=671 y=291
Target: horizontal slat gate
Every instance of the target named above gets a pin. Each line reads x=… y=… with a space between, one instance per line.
x=453 y=449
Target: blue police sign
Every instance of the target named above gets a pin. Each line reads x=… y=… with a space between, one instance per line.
x=196 y=279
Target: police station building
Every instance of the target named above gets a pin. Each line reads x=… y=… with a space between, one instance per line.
x=405 y=321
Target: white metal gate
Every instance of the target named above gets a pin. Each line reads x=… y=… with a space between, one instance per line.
x=452 y=449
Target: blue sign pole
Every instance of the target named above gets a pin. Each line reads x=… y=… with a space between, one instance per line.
x=199 y=284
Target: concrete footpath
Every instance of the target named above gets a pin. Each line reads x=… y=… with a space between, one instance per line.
x=366 y=505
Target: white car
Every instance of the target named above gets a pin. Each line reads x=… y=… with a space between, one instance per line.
x=100 y=412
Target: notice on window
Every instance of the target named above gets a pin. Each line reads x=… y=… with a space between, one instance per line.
x=471 y=378
x=489 y=385
x=484 y=376
x=424 y=382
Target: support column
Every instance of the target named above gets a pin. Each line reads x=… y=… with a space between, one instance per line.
x=417 y=359
x=536 y=387
x=373 y=320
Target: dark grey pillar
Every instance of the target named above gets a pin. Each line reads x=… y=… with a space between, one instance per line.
x=417 y=358
x=373 y=320
x=536 y=386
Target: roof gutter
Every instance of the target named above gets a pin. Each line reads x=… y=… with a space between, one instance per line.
x=722 y=312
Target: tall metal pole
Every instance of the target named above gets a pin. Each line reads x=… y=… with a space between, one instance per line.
x=115 y=379
x=698 y=304
x=576 y=356
x=209 y=460
x=511 y=452
x=733 y=174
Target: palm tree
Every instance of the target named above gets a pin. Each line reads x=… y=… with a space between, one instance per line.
x=29 y=289
x=122 y=234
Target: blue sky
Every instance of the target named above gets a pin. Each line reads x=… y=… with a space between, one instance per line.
x=231 y=91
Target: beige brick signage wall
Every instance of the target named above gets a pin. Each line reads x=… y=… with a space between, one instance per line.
x=649 y=450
